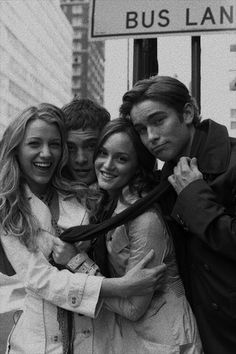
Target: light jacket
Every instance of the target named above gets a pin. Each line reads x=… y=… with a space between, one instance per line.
x=161 y=322
x=37 y=330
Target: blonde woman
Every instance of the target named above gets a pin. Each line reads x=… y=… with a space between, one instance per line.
x=35 y=205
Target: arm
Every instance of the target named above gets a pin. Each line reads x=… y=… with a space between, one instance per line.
x=145 y=232
x=138 y=281
x=75 y=292
x=198 y=209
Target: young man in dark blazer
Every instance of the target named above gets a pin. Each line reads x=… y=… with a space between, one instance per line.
x=198 y=199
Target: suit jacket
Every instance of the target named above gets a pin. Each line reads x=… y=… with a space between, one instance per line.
x=202 y=220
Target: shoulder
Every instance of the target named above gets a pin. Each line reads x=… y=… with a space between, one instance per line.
x=232 y=157
x=150 y=219
x=233 y=145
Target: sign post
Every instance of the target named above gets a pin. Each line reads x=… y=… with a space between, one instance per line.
x=145 y=62
x=144 y=20
x=152 y=18
x=196 y=69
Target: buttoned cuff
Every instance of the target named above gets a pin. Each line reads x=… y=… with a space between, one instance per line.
x=91 y=303
x=85 y=300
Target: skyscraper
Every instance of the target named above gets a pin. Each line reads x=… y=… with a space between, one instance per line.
x=88 y=57
x=35 y=51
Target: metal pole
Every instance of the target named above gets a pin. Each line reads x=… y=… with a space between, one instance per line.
x=145 y=59
x=196 y=69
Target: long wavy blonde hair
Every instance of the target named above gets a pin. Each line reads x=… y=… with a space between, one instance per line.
x=15 y=215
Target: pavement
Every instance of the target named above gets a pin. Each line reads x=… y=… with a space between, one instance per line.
x=6 y=323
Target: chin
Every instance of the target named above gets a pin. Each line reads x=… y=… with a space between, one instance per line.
x=104 y=186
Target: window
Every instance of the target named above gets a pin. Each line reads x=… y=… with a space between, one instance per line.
x=77 y=9
x=77 y=46
x=232 y=85
x=77 y=59
x=77 y=71
x=233 y=125
x=233 y=47
x=233 y=113
x=77 y=34
x=77 y=21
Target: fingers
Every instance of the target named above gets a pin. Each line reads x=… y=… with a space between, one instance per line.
x=182 y=166
x=193 y=164
x=171 y=179
x=186 y=164
x=161 y=269
x=157 y=276
x=146 y=259
x=55 y=256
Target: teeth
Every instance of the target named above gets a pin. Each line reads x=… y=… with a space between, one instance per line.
x=42 y=164
x=108 y=175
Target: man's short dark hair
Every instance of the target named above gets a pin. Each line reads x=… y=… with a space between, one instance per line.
x=165 y=89
x=83 y=113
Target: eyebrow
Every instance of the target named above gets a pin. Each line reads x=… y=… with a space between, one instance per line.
x=157 y=115
x=40 y=138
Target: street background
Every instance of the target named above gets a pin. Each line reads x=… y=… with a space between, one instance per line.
x=42 y=53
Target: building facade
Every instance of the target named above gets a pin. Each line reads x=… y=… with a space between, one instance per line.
x=232 y=86
x=88 y=57
x=35 y=52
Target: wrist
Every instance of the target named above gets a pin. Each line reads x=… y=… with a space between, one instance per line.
x=112 y=287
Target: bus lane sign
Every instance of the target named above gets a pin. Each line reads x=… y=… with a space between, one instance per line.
x=152 y=18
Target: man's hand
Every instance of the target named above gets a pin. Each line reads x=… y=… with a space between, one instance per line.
x=62 y=252
x=185 y=172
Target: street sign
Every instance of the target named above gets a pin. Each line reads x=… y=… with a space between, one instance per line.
x=152 y=18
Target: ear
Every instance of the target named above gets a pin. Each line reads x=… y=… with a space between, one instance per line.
x=188 y=113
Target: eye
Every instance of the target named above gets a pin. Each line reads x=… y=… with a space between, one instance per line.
x=34 y=144
x=141 y=130
x=56 y=144
x=122 y=159
x=91 y=146
x=158 y=121
x=102 y=153
x=71 y=148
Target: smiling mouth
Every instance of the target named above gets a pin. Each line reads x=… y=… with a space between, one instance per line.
x=107 y=175
x=43 y=166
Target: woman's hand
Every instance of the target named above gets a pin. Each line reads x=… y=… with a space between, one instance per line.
x=138 y=281
x=62 y=251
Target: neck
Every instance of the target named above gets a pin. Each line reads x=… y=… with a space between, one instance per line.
x=187 y=149
x=45 y=195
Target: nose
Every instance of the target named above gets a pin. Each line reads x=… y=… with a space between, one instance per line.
x=81 y=157
x=153 y=133
x=108 y=163
x=45 y=151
